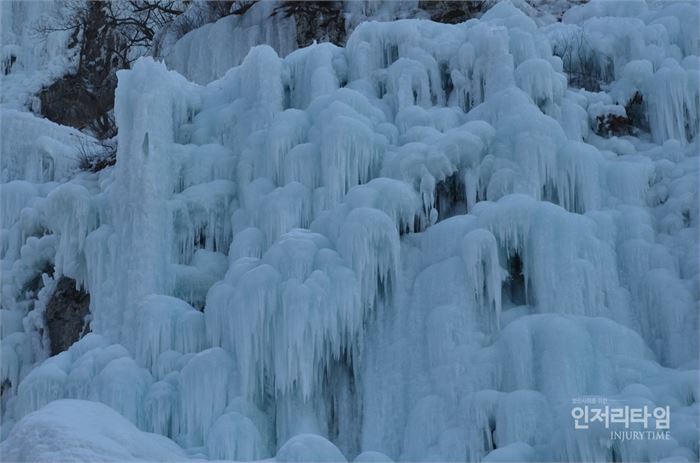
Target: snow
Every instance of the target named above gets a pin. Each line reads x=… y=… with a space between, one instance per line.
x=77 y=430
x=415 y=247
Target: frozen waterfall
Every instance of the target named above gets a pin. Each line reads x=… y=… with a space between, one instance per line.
x=431 y=244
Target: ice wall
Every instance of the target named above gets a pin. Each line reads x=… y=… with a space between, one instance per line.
x=415 y=247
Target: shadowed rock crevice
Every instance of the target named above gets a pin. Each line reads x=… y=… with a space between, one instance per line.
x=66 y=315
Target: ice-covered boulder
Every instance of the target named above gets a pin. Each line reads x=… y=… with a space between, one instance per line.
x=77 y=430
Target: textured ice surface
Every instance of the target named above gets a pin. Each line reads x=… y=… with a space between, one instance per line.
x=415 y=247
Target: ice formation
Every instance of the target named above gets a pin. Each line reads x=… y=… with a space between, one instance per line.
x=416 y=247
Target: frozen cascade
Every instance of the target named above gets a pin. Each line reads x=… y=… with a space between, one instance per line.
x=416 y=247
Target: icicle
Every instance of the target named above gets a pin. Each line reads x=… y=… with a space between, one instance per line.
x=160 y=412
x=369 y=242
x=208 y=374
x=72 y=215
x=40 y=387
x=350 y=152
x=206 y=220
x=123 y=386
x=235 y=437
x=537 y=78
x=673 y=104
x=166 y=323
x=480 y=255
x=283 y=209
x=309 y=447
x=313 y=73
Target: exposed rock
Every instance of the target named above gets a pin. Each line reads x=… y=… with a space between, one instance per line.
x=608 y=125
x=84 y=100
x=69 y=102
x=65 y=315
x=451 y=11
x=636 y=111
x=322 y=21
x=32 y=286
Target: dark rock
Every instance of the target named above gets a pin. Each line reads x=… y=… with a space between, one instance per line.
x=608 y=125
x=85 y=99
x=637 y=113
x=316 y=20
x=65 y=315
x=69 y=102
x=32 y=287
x=324 y=21
x=451 y=11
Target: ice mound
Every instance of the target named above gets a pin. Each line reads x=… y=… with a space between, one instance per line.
x=78 y=430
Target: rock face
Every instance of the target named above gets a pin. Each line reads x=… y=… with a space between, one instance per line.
x=324 y=21
x=84 y=100
x=451 y=11
x=65 y=315
x=319 y=21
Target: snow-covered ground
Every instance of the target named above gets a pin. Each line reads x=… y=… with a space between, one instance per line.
x=428 y=245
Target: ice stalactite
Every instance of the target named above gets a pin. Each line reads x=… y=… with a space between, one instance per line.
x=147 y=114
x=480 y=255
x=210 y=373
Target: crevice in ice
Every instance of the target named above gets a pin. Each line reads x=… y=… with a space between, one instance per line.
x=636 y=112
x=32 y=287
x=8 y=60
x=550 y=192
x=446 y=80
x=5 y=387
x=344 y=416
x=615 y=454
x=514 y=288
x=451 y=196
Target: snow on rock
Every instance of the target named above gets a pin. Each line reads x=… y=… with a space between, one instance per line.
x=420 y=246
x=38 y=150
